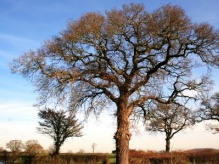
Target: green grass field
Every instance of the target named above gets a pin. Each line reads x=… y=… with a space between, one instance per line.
x=112 y=158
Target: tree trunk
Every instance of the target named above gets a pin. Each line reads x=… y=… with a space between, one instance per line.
x=122 y=135
x=57 y=148
x=167 y=144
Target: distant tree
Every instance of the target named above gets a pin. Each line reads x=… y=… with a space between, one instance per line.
x=70 y=151
x=15 y=146
x=1 y=149
x=33 y=147
x=124 y=57
x=81 y=151
x=94 y=145
x=169 y=119
x=51 y=149
x=209 y=110
x=59 y=125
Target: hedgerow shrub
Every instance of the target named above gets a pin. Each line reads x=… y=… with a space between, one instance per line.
x=150 y=157
x=60 y=159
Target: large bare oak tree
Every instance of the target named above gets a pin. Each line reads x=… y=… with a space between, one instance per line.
x=127 y=56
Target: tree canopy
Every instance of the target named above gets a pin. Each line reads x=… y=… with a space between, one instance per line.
x=209 y=110
x=126 y=56
x=32 y=147
x=169 y=119
x=59 y=125
x=15 y=146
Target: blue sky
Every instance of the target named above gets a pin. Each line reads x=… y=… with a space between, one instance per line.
x=26 y=24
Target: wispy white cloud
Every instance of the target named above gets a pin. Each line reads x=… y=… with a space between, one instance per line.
x=5 y=59
x=206 y=11
x=16 y=40
x=22 y=111
x=5 y=55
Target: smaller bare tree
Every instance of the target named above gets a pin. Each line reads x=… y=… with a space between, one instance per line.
x=209 y=110
x=59 y=125
x=169 y=119
x=15 y=146
x=94 y=145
